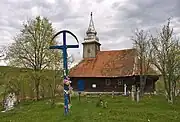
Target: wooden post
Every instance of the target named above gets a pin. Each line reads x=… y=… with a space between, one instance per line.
x=112 y=94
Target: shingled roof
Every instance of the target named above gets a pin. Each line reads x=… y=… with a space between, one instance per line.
x=114 y=63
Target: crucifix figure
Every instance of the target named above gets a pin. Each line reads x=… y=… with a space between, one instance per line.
x=67 y=81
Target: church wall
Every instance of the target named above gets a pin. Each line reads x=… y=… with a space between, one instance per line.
x=110 y=84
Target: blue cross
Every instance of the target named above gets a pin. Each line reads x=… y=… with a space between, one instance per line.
x=65 y=62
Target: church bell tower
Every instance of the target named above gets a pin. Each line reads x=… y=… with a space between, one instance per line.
x=91 y=43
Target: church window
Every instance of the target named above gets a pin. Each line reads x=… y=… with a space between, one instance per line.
x=94 y=85
x=108 y=82
x=120 y=82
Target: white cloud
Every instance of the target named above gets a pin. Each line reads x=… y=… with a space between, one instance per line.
x=51 y=1
x=35 y=11
x=114 y=19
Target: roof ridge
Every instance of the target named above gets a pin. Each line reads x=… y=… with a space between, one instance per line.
x=117 y=50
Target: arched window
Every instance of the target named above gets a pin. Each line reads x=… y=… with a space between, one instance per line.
x=108 y=82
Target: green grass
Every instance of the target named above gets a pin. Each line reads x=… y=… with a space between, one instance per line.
x=120 y=109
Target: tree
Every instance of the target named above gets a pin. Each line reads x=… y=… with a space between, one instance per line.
x=3 y=50
x=165 y=58
x=31 y=48
x=142 y=45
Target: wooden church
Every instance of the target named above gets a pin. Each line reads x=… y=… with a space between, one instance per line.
x=107 y=71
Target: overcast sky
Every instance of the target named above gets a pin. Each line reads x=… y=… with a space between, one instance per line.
x=114 y=20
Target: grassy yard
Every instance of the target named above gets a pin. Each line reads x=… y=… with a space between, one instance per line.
x=120 y=109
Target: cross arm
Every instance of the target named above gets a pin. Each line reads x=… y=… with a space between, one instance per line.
x=72 y=46
x=56 y=47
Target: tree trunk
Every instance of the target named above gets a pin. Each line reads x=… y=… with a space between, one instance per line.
x=171 y=98
x=37 y=90
x=42 y=92
x=31 y=92
x=17 y=96
x=142 y=84
x=23 y=96
x=167 y=90
x=173 y=92
x=4 y=98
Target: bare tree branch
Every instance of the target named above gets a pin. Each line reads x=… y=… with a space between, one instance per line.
x=165 y=58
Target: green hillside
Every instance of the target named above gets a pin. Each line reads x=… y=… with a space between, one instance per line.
x=21 y=78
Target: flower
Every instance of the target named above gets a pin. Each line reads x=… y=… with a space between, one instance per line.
x=67 y=82
x=70 y=88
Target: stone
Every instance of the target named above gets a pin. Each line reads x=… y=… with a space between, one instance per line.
x=155 y=93
x=9 y=102
x=138 y=94
x=133 y=92
x=125 y=89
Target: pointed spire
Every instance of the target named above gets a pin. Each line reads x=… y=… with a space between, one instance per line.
x=91 y=34
x=91 y=28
